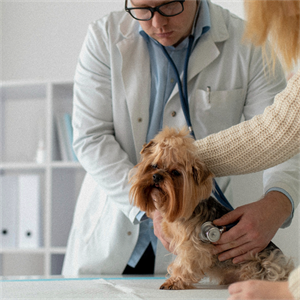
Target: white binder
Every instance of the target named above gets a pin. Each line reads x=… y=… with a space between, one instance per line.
x=8 y=210
x=29 y=212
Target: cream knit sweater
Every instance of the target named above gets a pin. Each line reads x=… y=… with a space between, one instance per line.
x=294 y=283
x=260 y=143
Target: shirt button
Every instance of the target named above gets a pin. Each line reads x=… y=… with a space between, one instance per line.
x=140 y=120
x=129 y=233
x=173 y=114
x=172 y=80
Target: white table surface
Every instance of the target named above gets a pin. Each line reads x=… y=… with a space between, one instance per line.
x=106 y=287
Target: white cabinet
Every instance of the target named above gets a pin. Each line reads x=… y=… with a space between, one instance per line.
x=28 y=121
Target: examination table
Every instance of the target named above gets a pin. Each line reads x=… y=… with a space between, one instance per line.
x=106 y=287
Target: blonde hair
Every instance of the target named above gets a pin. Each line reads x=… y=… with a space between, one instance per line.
x=280 y=21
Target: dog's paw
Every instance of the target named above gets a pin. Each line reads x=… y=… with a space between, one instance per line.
x=175 y=284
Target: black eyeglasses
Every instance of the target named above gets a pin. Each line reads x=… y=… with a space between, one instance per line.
x=169 y=9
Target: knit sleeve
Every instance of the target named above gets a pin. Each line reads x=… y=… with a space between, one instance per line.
x=294 y=283
x=260 y=143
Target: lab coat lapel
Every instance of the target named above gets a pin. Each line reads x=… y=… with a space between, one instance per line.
x=203 y=55
x=137 y=84
x=206 y=51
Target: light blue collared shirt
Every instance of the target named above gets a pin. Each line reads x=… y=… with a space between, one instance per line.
x=163 y=81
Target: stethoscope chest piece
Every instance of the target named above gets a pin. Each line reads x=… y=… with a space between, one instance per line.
x=210 y=233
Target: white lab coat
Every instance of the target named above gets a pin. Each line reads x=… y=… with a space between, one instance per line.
x=111 y=116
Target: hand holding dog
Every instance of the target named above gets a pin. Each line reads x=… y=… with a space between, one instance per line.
x=258 y=223
x=157 y=218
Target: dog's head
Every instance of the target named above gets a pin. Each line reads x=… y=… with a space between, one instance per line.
x=170 y=176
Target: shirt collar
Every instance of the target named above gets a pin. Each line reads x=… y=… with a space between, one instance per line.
x=202 y=21
x=201 y=24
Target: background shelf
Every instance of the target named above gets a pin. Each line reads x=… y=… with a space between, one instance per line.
x=28 y=115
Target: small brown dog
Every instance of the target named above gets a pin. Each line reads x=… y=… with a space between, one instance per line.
x=172 y=179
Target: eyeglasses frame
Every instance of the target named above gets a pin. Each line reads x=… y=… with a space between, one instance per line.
x=153 y=10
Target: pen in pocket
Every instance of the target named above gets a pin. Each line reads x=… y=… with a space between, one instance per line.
x=208 y=90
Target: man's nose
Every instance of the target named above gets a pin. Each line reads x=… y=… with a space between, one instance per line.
x=158 y=21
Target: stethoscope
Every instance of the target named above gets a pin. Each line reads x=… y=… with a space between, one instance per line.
x=209 y=232
x=183 y=91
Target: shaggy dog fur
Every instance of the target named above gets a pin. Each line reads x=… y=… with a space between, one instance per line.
x=172 y=179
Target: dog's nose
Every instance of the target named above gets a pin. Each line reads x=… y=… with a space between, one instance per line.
x=157 y=178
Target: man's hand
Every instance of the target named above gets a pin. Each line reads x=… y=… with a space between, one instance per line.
x=258 y=222
x=157 y=218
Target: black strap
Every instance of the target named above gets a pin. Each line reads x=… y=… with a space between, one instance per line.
x=220 y=196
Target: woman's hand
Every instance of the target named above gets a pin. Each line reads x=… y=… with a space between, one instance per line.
x=259 y=290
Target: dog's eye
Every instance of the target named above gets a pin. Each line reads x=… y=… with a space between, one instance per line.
x=154 y=166
x=175 y=173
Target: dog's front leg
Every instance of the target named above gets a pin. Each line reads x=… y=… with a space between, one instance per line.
x=176 y=281
x=182 y=275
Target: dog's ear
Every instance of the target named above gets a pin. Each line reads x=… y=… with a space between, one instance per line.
x=201 y=173
x=203 y=180
x=146 y=146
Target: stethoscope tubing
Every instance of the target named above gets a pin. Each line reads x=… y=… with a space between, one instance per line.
x=182 y=87
x=183 y=93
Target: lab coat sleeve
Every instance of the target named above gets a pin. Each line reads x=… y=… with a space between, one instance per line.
x=94 y=142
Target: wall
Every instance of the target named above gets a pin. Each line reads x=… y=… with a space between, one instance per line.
x=41 y=41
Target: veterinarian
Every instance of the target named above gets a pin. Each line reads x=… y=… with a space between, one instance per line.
x=125 y=92
x=268 y=139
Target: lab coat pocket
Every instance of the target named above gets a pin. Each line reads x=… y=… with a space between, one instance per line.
x=212 y=111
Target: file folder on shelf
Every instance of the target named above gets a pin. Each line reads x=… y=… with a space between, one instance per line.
x=29 y=232
x=8 y=210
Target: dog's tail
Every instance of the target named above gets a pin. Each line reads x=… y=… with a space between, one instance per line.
x=270 y=265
